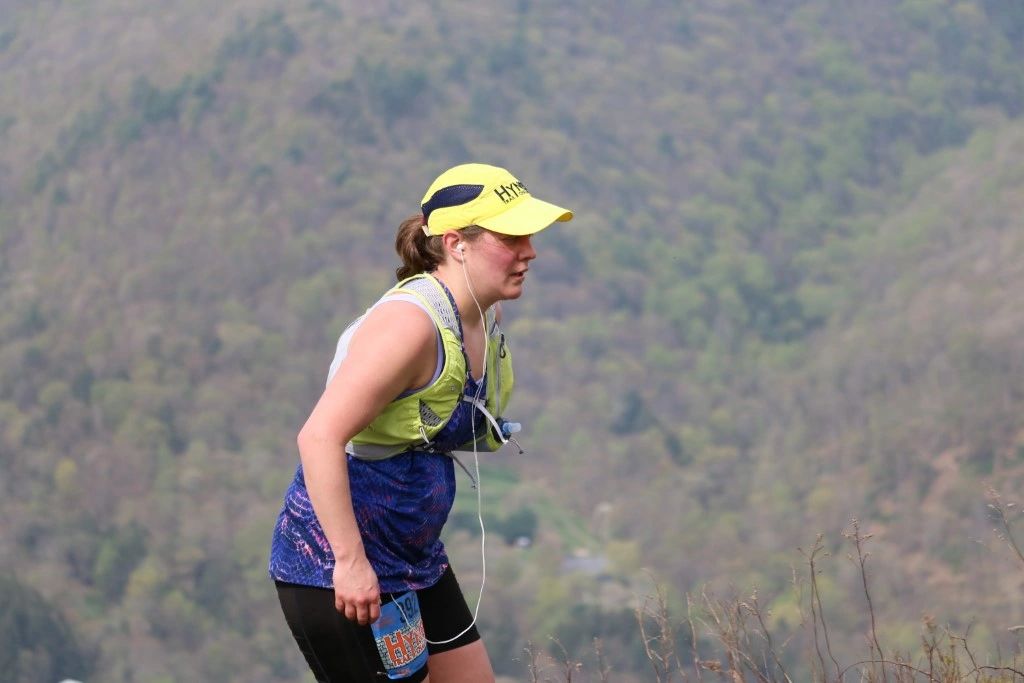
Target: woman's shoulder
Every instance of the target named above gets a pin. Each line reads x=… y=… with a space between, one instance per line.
x=399 y=317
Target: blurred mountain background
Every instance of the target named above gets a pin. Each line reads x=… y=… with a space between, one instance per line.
x=792 y=295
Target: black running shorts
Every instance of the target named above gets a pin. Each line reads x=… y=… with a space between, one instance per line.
x=342 y=651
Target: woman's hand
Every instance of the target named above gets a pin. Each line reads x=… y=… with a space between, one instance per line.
x=356 y=591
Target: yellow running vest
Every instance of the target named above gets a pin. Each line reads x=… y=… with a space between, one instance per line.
x=411 y=422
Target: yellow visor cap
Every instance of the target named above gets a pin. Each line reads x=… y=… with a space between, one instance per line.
x=488 y=196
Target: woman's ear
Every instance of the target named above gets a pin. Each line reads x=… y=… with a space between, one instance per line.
x=453 y=244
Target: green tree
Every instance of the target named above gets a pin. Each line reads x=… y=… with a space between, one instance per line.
x=38 y=644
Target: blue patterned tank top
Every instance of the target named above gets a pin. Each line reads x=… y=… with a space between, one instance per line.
x=401 y=504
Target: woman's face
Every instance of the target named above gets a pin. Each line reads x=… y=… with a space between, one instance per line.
x=497 y=264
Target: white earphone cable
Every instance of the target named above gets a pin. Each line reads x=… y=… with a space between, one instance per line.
x=476 y=468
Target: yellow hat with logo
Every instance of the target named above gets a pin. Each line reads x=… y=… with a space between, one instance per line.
x=488 y=196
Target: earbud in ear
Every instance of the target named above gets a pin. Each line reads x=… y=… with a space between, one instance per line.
x=460 y=247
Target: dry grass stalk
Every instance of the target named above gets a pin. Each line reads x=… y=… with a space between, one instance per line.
x=660 y=645
x=738 y=624
x=999 y=511
x=859 y=540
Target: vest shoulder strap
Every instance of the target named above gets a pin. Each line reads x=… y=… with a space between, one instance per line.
x=432 y=292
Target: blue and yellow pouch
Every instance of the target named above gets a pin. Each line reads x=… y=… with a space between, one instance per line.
x=400 y=638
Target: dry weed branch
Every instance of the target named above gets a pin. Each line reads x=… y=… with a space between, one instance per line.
x=693 y=637
x=755 y=609
x=817 y=611
x=999 y=510
x=660 y=648
x=531 y=653
x=569 y=666
x=862 y=558
x=603 y=669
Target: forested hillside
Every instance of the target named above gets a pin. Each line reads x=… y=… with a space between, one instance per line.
x=790 y=296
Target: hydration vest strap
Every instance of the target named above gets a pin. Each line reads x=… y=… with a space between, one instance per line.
x=481 y=406
x=472 y=479
x=432 y=292
x=371 y=452
x=367 y=451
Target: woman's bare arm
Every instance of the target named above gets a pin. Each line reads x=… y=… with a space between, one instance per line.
x=393 y=350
